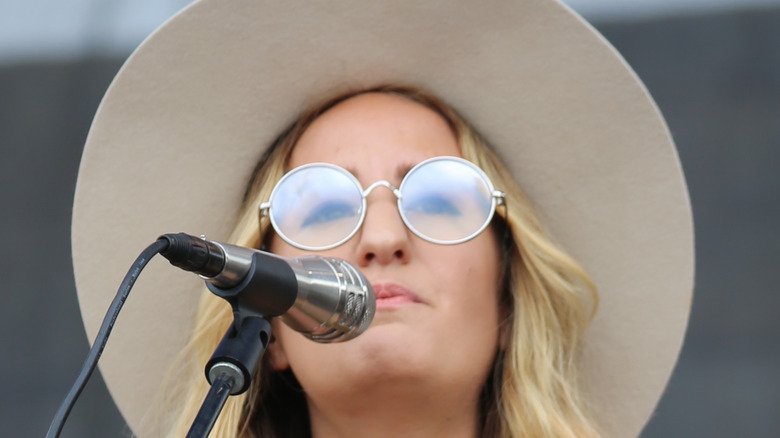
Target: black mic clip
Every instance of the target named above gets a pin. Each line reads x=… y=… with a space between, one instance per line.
x=230 y=369
x=270 y=275
x=240 y=350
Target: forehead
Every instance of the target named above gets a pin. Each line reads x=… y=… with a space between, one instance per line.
x=374 y=133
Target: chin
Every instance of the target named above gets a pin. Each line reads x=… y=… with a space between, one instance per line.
x=390 y=349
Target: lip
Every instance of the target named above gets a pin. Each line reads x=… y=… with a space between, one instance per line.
x=392 y=295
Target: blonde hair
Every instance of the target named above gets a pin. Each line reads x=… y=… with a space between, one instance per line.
x=548 y=299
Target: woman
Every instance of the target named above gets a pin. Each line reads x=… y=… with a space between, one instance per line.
x=486 y=336
x=460 y=320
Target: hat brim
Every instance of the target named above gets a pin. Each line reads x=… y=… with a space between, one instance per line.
x=184 y=122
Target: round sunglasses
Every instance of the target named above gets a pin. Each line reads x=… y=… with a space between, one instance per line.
x=443 y=200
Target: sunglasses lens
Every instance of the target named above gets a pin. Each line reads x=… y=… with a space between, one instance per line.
x=446 y=200
x=316 y=207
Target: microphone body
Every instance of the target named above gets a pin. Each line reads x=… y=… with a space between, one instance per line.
x=326 y=299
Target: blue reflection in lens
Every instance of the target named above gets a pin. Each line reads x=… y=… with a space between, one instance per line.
x=432 y=204
x=328 y=212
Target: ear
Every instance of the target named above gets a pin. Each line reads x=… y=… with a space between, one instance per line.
x=276 y=355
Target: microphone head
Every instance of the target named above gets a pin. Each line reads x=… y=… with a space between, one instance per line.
x=334 y=303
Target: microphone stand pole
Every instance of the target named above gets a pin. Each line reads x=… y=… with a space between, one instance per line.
x=230 y=369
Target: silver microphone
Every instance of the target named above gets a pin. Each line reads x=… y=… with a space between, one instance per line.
x=326 y=299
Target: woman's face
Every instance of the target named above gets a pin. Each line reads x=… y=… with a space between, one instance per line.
x=436 y=323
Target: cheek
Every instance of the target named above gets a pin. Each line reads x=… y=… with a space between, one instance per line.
x=473 y=268
x=290 y=349
x=467 y=279
x=470 y=300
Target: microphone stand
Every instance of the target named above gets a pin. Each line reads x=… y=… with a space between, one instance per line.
x=230 y=369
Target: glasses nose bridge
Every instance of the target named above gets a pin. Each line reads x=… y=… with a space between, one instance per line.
x=381 y=183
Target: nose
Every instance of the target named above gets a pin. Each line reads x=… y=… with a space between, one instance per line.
x=383 y=238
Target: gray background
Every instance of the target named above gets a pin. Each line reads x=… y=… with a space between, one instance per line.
x=716 y=77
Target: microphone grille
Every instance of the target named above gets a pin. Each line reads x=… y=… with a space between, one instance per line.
x=359 y=305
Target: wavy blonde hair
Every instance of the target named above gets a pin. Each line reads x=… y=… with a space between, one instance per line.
x=548 y=299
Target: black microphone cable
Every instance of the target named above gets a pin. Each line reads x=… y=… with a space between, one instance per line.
x=102 y=337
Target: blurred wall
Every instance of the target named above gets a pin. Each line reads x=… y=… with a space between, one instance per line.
x=717 y=80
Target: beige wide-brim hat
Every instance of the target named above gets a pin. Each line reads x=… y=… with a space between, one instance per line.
x=188 y=116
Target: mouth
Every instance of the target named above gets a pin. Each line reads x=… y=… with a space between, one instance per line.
x=392 y=295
